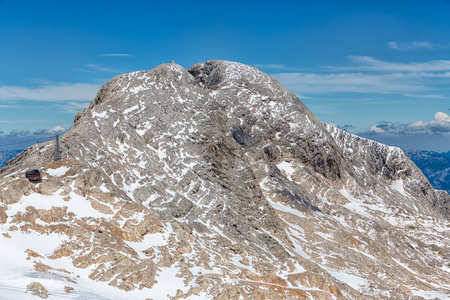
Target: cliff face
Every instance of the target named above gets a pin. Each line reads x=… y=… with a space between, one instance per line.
x=217 y=182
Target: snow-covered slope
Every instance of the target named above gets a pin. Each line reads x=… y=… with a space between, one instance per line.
x=217 y=183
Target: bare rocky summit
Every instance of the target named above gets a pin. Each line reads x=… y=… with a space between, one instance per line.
x=216 y=182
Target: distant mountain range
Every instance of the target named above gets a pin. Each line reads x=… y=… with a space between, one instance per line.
x=6 y=155
x=435 y=166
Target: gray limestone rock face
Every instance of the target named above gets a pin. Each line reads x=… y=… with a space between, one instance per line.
x=241 y=137
x=223 y=176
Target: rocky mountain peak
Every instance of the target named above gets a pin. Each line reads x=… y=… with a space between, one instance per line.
x=221 y=73
x=137 y=82
x=219 y=181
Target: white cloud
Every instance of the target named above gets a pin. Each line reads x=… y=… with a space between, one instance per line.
x=74 y=107
x=98 y=68
x=416 y=127
x=18 y=121
x=439 y=124
x=441 y=117
x=367 y=63
x=116 y=55
x=52 y=131
x=19 y=132
x=9 y=106
x=372 y=76
x=415 y=45
x=393 y=45
x=368 y=75
x=61 y=91
x=40 y=132
x=376 y=129
x=273 y=66
x=425 y=85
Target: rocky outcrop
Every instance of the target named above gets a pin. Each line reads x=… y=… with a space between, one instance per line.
x=220 y=182
x=37 y=289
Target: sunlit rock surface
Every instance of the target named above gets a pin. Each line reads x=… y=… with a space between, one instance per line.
x=216 y=182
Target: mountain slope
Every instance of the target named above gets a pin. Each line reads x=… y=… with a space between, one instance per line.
x=217 y=182
x=435 y=166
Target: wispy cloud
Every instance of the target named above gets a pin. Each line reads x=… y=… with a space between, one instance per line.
x=273 y=67
x=406 y=84
x=79 y=105
x=74 y=107
x=9 y=106
x=98 y=68
x=18 y=121
x=367 y=63
x=55 y=91
x=372 y=76
x=415 y=45
x=116 y=55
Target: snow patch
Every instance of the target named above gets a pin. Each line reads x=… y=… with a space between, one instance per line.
x=101 y=115
x=285 y=208
x=77 y=204
x=128 y=110
x=398 y=186
x=61 y=171
x=354 y=281
x=287 y=168
x=166 y=278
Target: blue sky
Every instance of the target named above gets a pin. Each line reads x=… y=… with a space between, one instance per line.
x=380 y=69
